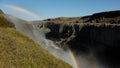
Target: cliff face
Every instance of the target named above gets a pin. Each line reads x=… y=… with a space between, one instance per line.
x=102 y=41
x=98 y=33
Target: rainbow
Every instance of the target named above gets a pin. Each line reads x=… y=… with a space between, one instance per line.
x=18 y=8
x=21 y=9
x=74 y=59
x=77 y=64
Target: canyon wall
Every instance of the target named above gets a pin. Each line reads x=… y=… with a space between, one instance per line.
x=98 y=34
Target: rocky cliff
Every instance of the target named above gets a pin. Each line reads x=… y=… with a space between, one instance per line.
x=98 y=33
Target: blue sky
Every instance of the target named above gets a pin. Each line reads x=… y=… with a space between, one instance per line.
x=63 y=8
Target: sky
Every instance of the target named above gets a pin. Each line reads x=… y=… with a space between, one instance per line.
x=43 y=9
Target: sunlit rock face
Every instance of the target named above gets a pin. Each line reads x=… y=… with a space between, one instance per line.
x=98 y=34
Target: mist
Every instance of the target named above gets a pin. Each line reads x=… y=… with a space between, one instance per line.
x=38 y=36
